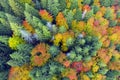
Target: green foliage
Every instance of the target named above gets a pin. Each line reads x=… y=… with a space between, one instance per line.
x=108 y=14
x=33 y=20
x=95 y=8
x=90 y=74
x=74 y=4
x=89 y=14
x=118 y=14
x=86 y=2
x=4 y=75
x=118 y=47
x=5 y=30
x=4 y=39
x=86 y=47
x=69 y=17
x=70 y=42
x=101 y=64
x=54 y=51
x=4 y=56
x=44 y=3
x=15 y=24
x=5 y=6
x=31 y=10
x=3 y=19
x=78 y=49
x=53 y=7
x=4 y=25
x=111 y=78
x=78 y=15
x=107 y=3
x=65 y=78
x=46 y=33
x=17 y=7
x=62 y=29
x=113 y=73
x=112 y=23
x=71 y=55
x=43 y=34
x=87 y=58
x=21 y=56
x=62 y=5
x=47 y=71
x=103 y=71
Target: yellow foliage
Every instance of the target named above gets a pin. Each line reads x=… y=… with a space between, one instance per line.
x=96 y=2
x=15 y=41
x=45 y=15
x=97 y=77
x=90 y=21
x=61 y=21
x=80 y=4
x=20 y=73
x=28 y=27
x=114 y=37
x=58 y=38
x=26 y=1
x=63 y=39
x=78 y=25
x=84 y=77
x=104 y=22
x=98 y=15
x=95 y=68
x=103 y=10
x=70 y=73
x=114 y=65
x=66 y=36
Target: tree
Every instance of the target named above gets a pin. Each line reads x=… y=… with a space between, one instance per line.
x=74 y=4
x=78 y=15
x=105 y=3
x=62 y=5
x=53 y=7
x=6 y=6
x=21 y=56
x=88 y=2
x=17 y=7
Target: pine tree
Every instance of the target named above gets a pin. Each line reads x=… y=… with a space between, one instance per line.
x=74 y=4
x=31 y=10
x=69 y=17
x=15 y=24
x=105 y=3
x=21 y=56
x=17 y=7
x=62 y=5
x=44 y=3
x=86 y=2
x=5 y=6
x=78 y=15
x=53 y=7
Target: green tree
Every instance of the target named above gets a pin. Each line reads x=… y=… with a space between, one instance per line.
x=86 y=2
x=53 y=7
x=21 y=56
x=112 y=23
x=62 y=5
x=5 y=6
x=74 y=4
x=78 y=15
x=17 y=7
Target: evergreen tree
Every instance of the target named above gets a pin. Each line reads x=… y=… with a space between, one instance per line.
x=78 y=15
x=53 y=7
x=17 y=7
x=21 y=56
